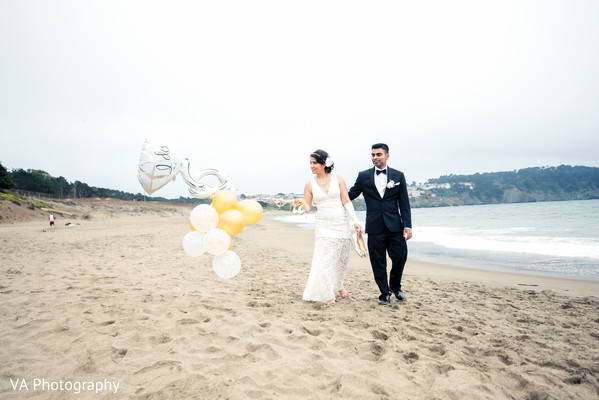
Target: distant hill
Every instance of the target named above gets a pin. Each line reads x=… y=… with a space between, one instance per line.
x=525 y=185
x=564 y=182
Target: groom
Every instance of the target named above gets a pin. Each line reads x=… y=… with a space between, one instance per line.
x=388 y=221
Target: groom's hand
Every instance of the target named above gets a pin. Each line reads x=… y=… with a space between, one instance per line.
x=407 y=234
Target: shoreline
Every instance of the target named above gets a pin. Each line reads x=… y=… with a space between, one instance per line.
x=449 y=272
x=499 y=279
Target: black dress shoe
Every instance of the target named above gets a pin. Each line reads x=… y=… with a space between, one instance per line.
x=384 y=299
x=400 y=295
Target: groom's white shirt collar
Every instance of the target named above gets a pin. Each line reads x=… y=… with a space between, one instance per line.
x=380 y=180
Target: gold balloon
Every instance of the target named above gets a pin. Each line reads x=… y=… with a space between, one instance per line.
x=191 y=226
x=231 y=221
x=224 y=200
x=252 y=211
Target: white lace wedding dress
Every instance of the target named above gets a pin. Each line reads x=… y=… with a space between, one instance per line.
x=331 y=244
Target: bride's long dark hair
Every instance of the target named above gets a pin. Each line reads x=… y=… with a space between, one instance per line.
x=321 y=157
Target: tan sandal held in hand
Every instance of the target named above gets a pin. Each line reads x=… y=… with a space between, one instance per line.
x=359 y=244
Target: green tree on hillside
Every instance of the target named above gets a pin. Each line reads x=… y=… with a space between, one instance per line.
x=33 y=180
x=61 y=186
x=5 y=180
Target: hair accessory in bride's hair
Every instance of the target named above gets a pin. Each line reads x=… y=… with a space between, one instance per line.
x=328 y=162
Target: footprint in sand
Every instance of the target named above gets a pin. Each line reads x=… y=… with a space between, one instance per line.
x=262 y=351
x=162 y=339
x=159 y=365
x=118 y=354
x=453 y=336
x=377 y=349
x=371 y=351
x=438 y=349
x=89 y=366
x=411 y=357
x=313 y=332
x=444 y=369
x=188 y=321
x=503 y=356
x=379 y=335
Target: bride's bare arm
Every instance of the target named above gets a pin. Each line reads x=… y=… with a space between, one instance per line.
x=343 y=189
x=308 y=197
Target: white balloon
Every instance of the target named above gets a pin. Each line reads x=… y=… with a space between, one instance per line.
x=227 y=265
x=193 y=243
x=217 y=241
x=204 y=218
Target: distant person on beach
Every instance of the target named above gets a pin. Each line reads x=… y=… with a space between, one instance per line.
x=52 y=220
x=332 y=232
x=388 y=221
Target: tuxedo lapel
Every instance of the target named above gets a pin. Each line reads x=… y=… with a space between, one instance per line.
x=389 y=178
x=371 y=180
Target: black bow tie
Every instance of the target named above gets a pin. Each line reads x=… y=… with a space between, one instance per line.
x=378 y=171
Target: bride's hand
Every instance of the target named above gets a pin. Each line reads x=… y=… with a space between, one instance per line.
x=305 y=206
x=358 y=228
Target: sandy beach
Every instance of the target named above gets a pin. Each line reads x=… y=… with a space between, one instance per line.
x=113 y=298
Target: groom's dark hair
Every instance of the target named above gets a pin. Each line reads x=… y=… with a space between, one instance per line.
x=381 y=146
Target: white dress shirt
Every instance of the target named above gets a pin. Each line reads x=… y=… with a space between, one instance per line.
x=380 y=180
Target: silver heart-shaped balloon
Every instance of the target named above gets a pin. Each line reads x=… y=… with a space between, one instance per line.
x=158 y=165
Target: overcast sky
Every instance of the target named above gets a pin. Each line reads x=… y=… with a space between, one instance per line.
x=252 y=87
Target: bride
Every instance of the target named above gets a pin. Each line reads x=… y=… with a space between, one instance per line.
x=332 y=231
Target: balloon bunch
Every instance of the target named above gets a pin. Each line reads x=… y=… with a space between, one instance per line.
x=212 y=227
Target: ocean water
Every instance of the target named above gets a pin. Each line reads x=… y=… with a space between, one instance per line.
x=558 y=239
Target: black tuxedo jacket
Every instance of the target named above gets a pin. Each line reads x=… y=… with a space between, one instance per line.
x=392 y=210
